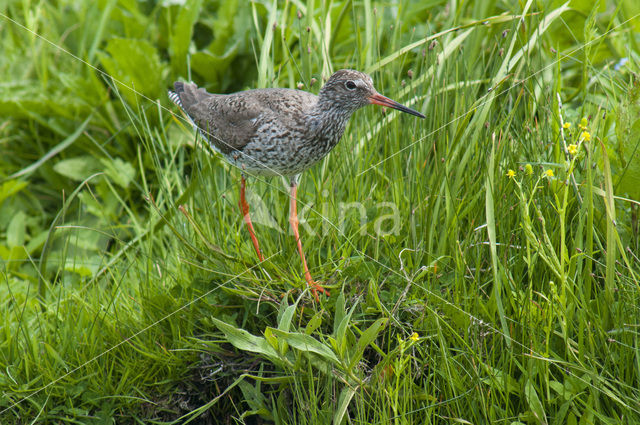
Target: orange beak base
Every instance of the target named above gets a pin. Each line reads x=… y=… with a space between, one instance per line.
x=378 y=99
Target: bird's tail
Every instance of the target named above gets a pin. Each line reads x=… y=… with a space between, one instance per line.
x=186 y=95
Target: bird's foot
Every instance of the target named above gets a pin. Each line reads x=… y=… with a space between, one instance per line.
x=315 y=288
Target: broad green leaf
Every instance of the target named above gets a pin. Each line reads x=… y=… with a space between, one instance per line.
x=346 y=395
x=14 y=256
x=284 y=322
x=181 y=34
x=243 y=340
x=127 y=14
x=36 y=242
x=339 y=312
x=534 y=403
x=120 y=172
x=500 y=379
x=135 y=67
x=341 y=333
x=367 y=337
x=78 y=168
x=314 y=323
x=231 y=18
x=307 y=343
x=255 y=399
x=10 y=188
x=87 y=267
x=211 y=66
x=229 y=25
x=625 y=153
x=274 y=342
x=16 y=229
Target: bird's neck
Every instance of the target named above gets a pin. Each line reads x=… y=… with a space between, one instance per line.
x=327 y=122
x=330 y=113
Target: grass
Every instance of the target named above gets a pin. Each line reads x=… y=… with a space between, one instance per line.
x=460 y=292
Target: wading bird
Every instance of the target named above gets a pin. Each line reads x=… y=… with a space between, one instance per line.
x=279 y=132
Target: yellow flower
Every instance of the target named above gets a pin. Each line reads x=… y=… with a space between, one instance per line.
x=414 y=337
x=566 y=125
x=573 y=149
x=511 y=174
x=549 y=173
x=583 y=124
x=586 y=136
x=529 y=169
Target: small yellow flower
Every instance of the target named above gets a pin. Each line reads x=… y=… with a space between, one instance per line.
x=511 y=174
x=573 y=149
x=586 y=136
x=583 y=124
x=549 y=173
x=566 y=125
x=414 y=336
x=529 y=169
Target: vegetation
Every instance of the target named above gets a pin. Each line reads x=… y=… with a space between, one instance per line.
x=494 y=277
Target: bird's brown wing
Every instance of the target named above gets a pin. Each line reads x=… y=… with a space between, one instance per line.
x=226 y=121
x=232 y=121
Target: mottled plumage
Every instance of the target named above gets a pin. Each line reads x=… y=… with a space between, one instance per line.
x=276 y=131
x=279 y=131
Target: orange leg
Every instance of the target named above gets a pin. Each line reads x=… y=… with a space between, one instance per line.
x=293 y=220
x=244 y=206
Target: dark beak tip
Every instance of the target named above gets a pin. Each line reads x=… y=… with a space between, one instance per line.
x=410 y=111
x=378 y=99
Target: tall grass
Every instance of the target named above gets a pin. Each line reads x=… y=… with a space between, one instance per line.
x=494 y=278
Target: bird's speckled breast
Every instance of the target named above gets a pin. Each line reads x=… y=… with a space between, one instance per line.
x=290 y=150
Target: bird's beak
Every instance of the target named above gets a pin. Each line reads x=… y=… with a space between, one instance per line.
x=379 y=99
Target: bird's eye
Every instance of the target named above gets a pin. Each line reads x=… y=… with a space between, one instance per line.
x=350 y=85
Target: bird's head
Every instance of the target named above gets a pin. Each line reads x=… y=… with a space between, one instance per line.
x=349 y=90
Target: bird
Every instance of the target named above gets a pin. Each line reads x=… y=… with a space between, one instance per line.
x=279 y=132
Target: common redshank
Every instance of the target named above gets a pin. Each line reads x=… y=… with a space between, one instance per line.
x=279 y=132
